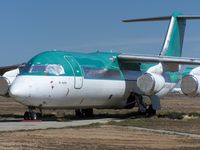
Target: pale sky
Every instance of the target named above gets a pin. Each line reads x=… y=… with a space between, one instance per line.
x=28 y=27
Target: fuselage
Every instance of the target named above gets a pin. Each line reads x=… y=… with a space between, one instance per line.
x=57 y=79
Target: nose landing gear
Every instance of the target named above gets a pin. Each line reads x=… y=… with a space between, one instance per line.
x=32 y=115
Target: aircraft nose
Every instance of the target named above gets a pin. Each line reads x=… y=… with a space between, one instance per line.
x=15 y=92
x=18 y=90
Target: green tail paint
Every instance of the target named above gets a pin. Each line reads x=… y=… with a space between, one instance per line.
x=174 y=38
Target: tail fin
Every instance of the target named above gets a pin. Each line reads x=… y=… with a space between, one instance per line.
x=173 y=42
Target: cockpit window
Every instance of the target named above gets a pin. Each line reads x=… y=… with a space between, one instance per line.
x=54 y=69
x=25 y=68
x=38 y=68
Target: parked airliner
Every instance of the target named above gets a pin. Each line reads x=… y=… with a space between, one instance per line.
x=84 y=81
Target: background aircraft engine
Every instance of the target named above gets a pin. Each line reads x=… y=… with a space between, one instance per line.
x=190 y=85
x=6 y=80
x=4 y=86
x=150 y=83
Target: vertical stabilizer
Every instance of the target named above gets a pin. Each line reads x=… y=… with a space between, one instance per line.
x=173 y=43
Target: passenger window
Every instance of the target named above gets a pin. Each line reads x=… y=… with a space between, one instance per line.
x=101 y=73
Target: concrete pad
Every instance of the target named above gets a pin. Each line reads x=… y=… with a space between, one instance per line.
x=17 y=126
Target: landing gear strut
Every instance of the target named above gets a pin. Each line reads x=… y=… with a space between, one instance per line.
x=141 y=105
x=151 y=110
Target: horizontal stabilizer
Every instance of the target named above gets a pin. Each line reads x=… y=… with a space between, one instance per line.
x=162 y=18
x=148 y=19
x=189 y=17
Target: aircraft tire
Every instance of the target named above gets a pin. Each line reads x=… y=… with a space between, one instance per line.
x=30 y=116
x=26 y=115
x=33 y=116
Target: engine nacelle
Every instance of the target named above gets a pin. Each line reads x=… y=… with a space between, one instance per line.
x=150 y=83
x=190 y=85
x=4 y=86
x=6 y=80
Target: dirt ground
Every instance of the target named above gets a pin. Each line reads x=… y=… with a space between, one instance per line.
x=94 y=138
x=111 y=136
x=180 y=103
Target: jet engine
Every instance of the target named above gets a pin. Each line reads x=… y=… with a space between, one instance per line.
x=4 y=85
x=6 y=80
x=150 y=83
x=190 y=85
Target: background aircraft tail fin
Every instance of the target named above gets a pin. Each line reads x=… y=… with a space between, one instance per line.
x=173 y=42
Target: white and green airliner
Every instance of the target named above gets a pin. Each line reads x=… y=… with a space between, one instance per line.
x=83 y=81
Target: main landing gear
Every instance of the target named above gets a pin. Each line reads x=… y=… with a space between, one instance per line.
x=84 y=112
x=142 y=108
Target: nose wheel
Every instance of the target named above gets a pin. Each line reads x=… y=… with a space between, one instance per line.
x=30 y=115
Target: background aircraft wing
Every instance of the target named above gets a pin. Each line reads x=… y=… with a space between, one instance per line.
x=4 y=69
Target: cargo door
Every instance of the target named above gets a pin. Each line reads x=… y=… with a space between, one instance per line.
x=77 y=71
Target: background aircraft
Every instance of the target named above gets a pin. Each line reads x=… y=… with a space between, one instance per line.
x=83 y=81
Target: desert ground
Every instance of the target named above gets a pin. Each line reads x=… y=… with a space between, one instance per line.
x=176 y=126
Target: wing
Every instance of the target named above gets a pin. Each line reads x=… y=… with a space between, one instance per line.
x=168 y=63
x=157 y=59
x=4 y=69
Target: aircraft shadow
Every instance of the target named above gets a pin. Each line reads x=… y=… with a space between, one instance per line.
x=19 y=118
x=71 y=117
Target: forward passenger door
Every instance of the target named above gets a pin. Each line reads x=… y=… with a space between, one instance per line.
x=77 y=71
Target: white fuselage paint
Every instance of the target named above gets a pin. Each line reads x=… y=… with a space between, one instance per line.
x=60 y=92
